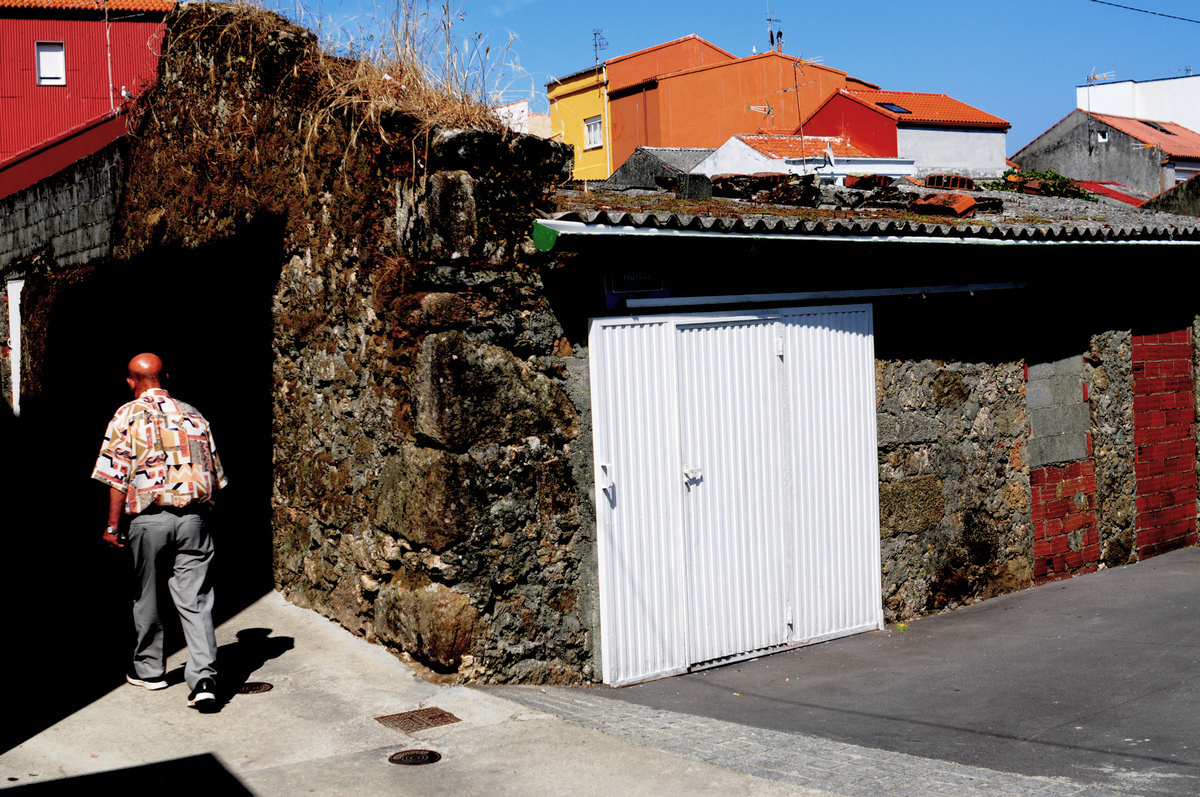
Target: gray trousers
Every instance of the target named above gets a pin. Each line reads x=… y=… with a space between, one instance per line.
x=176 y=548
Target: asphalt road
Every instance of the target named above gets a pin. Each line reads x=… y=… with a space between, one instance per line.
x=1096 y=678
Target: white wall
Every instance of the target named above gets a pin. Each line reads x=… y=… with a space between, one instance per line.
x=971 y=153
x=1174 y=99
x=736 y=157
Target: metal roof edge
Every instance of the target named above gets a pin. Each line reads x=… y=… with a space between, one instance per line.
x=546 y=232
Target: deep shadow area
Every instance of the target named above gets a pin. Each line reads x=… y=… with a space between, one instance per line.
x=1045 y=311
x=208 y=312
x=195 y=775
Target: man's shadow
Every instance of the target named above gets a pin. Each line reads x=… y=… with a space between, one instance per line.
x=237 y=661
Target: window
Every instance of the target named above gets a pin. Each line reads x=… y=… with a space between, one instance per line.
x=1102 y=136
x=51 y=64
x=893 y=107
x=591 y=133
x=1156 y=126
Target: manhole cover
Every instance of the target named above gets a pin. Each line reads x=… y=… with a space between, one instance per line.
x=415 y=757
x=255 y=688
x=418 y=720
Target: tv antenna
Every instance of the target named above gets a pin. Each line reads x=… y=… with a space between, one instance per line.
x=1092 y=79
x=774 y=33
x=765 y=110
x=598 y=43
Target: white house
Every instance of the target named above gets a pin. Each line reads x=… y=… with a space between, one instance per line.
x=830 y=157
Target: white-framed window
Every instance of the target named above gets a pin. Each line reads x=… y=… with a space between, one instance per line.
x=591 y=133
x=51 y=64
x=1102 y=136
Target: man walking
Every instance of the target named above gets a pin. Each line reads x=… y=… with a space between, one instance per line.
x=161 y=466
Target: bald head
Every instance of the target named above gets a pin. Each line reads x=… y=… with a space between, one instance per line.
x=145 y=372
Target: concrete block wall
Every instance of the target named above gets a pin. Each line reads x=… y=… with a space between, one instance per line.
x=1062 y=477
x=1164 y=442
x=1059 y=421
x=71 y=212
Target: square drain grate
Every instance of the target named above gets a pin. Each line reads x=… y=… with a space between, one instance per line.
x=418 y=720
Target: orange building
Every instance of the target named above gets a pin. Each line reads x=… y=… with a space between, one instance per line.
x=684 y=93
x=703 y=106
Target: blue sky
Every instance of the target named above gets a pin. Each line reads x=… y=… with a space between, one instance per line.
x=1018 y=59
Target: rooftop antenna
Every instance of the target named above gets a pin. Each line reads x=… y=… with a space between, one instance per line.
x=1092 y=79
x=598 y=43
x=1187 y=70
x=773 y=37
x=765 y=110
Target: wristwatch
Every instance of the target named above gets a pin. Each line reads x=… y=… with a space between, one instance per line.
x=111 y=530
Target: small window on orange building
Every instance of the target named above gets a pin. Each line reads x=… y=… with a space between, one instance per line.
x=51 y=64
x=591 y=133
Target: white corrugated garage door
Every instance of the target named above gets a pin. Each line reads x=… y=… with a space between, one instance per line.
x=737 y=487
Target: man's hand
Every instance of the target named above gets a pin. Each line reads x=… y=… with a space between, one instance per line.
x=116 y=503
x=111 y=536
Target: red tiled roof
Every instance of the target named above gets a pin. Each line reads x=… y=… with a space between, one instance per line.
x=1111 y=190
x=1178 y=142
x=92 y=5
x=797 y=147
x=935 y=109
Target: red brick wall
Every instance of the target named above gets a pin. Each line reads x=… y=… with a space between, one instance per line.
x=1066 y=540
x=1164 y=442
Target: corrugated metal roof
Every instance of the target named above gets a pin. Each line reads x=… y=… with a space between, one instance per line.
x=613 y=223
x=1175 y=140
x=923 y=108
x=800 y=147
x=92 y=5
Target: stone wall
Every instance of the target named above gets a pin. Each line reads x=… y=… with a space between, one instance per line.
x=954 y=490
x=430 y=426
x=434 y=443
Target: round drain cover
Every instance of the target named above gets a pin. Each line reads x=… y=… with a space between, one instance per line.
x=255 y=688
x=415 y=757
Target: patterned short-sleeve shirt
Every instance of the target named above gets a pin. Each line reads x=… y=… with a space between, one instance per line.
x=159 y=451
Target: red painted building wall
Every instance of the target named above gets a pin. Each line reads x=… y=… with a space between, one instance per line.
x=870 y=131
x=31 y=114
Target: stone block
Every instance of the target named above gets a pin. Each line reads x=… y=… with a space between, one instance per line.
x=429 y=497
x=1038 y=394
x=694 y=186
x=428 y=620
x=1067 y=366
x=449 y=211
x=467 y=393
x=1059 y=419
x=910 y=506
x=1057 y=448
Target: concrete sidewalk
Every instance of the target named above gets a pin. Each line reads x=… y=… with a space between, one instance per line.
x=742 y=729
x=315 y=732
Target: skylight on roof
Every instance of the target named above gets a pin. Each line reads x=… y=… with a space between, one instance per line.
x=1156 y=126
x=893 y=107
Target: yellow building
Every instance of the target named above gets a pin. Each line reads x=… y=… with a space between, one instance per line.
x=579 y=114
